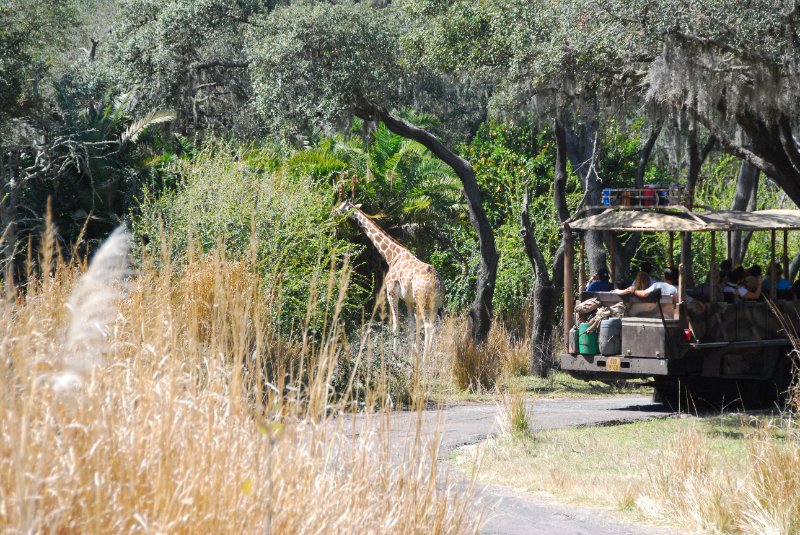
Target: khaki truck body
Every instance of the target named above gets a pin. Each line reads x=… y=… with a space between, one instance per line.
x=697 y=351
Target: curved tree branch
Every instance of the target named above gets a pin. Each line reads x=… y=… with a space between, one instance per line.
x=532 y=250
x=730 y=146
x=788 y=142
x=481 y=312
x=644 y=154
x=560 y=173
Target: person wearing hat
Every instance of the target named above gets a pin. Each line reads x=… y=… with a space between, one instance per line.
x=600 y=282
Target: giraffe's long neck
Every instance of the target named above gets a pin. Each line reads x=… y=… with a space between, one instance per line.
x=386 y=245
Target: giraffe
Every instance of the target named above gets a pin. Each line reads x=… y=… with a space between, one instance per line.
x=408 y=278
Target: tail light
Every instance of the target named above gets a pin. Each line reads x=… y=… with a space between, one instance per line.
x=687 y=335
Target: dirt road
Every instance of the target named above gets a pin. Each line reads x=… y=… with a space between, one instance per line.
x=512 y=512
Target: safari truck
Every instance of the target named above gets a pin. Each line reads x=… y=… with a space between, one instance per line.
x=699 y=352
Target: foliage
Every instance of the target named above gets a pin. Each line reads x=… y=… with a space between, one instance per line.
x=370 y=371
x=87 y=161
x=31 y=34
x=344 y=56
x=409 y=189
x=476 y=369
x=235 y=195
x=527 y=49
x=186 y=55
x=514 y=415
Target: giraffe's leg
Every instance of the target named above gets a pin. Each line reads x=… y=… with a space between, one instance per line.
x=430 y=325
x=392 y=298
x=412 y=327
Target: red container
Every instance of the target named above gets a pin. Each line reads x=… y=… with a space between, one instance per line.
x=649 y=196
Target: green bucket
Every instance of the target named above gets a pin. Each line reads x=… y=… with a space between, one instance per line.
x=587 y=342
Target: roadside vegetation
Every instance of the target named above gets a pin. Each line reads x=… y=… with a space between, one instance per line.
x=715 y=474
x=179 y=408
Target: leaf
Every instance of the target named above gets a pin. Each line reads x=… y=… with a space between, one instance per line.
x=134 y=130
x=247 y=486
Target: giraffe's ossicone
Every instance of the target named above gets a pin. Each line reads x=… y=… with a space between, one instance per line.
x=408 y=279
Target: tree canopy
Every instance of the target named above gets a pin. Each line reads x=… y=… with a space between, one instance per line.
x=613 y=93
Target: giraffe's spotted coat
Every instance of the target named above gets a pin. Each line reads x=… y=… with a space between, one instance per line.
x=408 y=279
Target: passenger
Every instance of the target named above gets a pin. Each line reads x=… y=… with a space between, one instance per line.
x=600 y=282
x=750 y=288
x=724 y=268
x=782 y=283
x=755 y=271
x=731 y=287
x=667 y=287
x=642 y=281
x=647 y=268
x=703 y=291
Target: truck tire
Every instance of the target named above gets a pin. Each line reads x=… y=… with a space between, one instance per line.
x=669 y=391
x=696 y=395
x=780 y=385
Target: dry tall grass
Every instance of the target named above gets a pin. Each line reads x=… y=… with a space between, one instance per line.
x=765 y=499
x=178 y=430
x=514 y=415
x=478 y=369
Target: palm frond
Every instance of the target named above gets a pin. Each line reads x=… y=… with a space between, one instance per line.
x=385 y=144
x=133 y=132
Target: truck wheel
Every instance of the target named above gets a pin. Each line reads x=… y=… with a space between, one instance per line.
x=780 y=385
x=689 y=395
x=668 y=391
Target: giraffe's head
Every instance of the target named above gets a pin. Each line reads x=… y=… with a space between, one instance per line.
x=346 y=207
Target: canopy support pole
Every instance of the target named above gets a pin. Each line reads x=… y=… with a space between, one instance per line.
x=582 y=263
x=569 y=276
x=682 y=269
x=611 y=252
x=671 y=249
x=786 y=254
x=773 y=283
x=713 y=271
x=729 y=249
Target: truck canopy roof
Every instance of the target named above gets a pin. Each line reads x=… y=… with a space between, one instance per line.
x=680 y=219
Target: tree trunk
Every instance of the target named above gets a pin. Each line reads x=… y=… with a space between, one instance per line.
x=696 y=159
x=8 y=221
x=583 y=149
x=481 y=313
x=794 y=267
x=644 y=154
x=544 y=299
x=560 y=171
x=745 y=199
x=545 y=294
x=628 y=250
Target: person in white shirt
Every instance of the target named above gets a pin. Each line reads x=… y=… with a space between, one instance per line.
x=667 y=287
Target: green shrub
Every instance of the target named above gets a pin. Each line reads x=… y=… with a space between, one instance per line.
x=371 y=372
x=237 y=197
